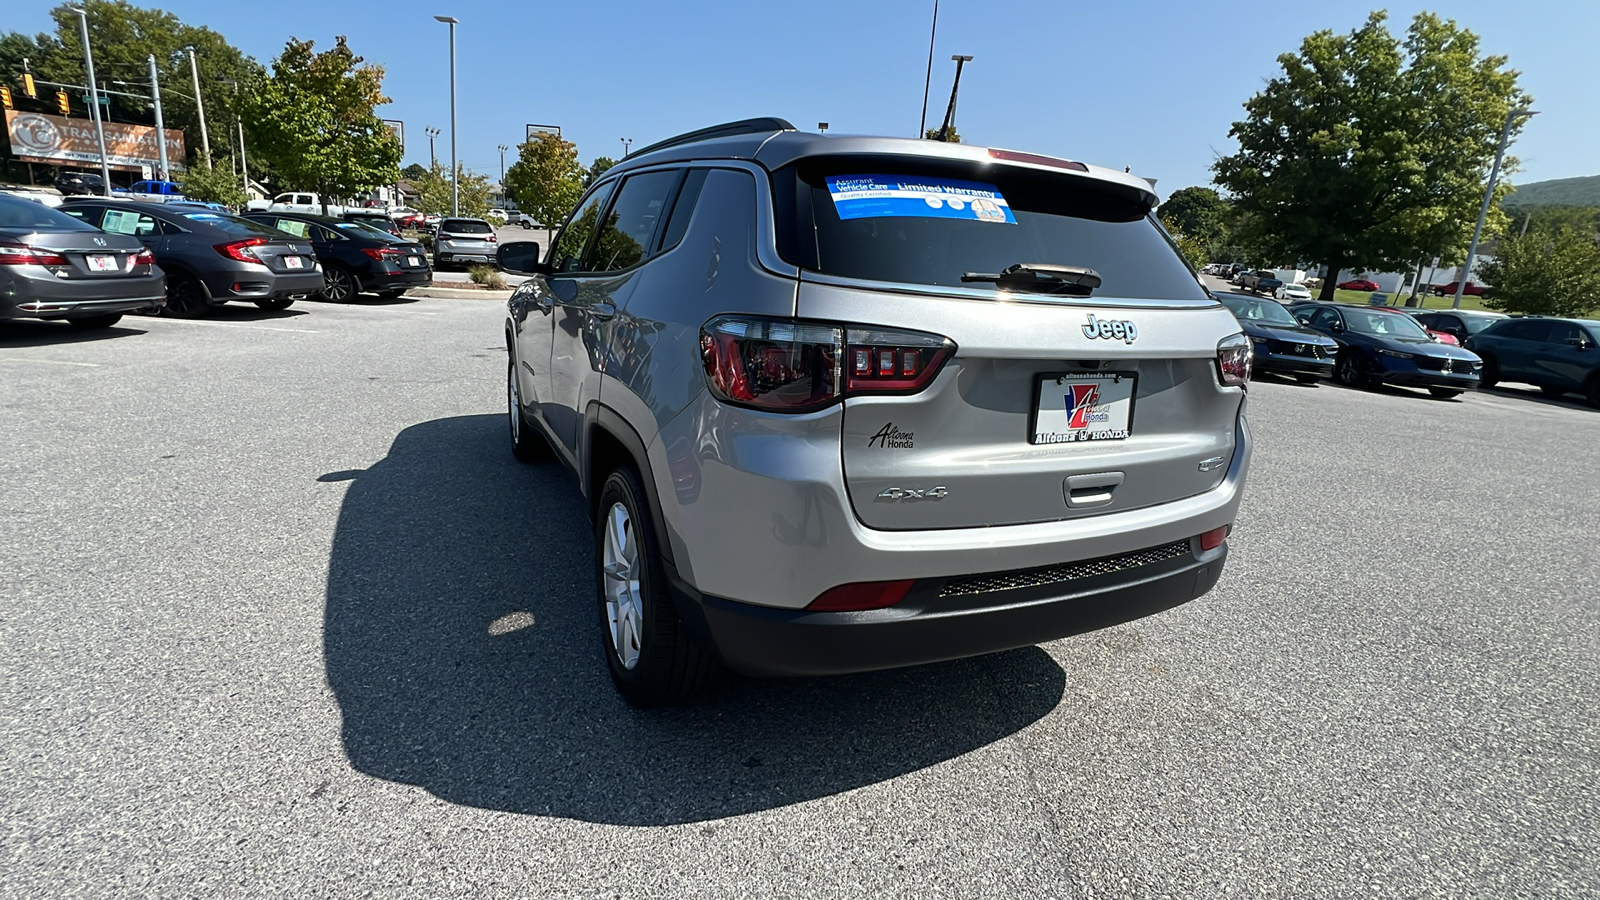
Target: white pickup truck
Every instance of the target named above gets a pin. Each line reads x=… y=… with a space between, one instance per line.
x=295 y=201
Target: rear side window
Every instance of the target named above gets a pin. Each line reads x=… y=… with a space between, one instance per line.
x=930 y=222
x=465 y=226
x=683 y=208
x=16 y=212
x=296 y=228
x=121 y=221
x=1532 y=330
x=630 y=226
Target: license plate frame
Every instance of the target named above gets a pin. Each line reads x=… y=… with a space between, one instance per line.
x=102 y=262
x=414 y=261
x=1105 y=401
x=293 y=262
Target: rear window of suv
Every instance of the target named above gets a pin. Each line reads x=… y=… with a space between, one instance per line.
x=465 y=226
x=832 y=220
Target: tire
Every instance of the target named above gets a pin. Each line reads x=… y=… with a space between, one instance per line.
x=276 y=303
x=186 y=298
x=1445 y=393
x=1490 y=376
x=1592 y=390
x=527 y=444
x=339 y=285
x=652 y=660
x=390 y=295
x=90 y=322
x=1348 y=370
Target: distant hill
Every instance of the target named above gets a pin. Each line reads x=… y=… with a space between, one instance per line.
x=1582 y=191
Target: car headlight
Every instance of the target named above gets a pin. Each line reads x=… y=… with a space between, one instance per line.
x=1396 y=354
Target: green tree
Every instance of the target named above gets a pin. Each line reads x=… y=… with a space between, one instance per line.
x=547 y=179
x=1370 y=151
x=123 y=37
x=932 y=134
x=312 y=118
x=596 y=169
x=433 y=192
x=214 y=183
x=1546 y=272
x=1199 y=213
x=1191 y=246
x=413 y=172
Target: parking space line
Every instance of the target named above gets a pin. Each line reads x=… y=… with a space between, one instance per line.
x=235 y=325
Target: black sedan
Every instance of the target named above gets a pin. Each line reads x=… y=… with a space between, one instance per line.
x=1381 y=345
x=1283 y=346
x=355 y=257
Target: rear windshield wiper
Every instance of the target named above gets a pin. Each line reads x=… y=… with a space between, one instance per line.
x=1042 y=278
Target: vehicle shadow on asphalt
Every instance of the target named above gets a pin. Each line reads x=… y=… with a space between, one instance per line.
x=462 y=645
x=28 y=333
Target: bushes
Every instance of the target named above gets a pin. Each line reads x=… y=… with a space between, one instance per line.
x=488 y=276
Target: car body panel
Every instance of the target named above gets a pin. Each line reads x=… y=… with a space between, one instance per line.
x=102 y=272
x=1545 y=357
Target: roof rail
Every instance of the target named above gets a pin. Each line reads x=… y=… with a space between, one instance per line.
x=729 y=129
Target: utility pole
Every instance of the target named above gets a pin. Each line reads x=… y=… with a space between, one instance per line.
x=455 y=170
x=1488 y=195
x=161 y=131
x=94 y=99
x=949 y=125
x=503 y=149
x=432 y=132
x=922 y=129
x=200 y=107
x=244 y=166
x=627 y=144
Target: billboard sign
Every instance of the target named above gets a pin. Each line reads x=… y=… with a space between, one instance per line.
x=544 y=129
x=36 y=137
x=399 y=129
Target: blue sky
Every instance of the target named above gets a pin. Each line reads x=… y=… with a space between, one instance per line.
x=1153 y=85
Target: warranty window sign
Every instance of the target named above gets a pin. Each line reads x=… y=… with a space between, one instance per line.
x=875 y=196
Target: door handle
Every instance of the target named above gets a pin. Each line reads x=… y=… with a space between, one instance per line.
x=1092 y=489
x=603 y=311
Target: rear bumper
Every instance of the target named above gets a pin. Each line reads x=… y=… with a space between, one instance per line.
x=1429 y=379
x=408 y=278
x=51 y=298
x=260 y=283
x=927 y=627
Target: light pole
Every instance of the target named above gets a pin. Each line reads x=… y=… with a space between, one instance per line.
x=244 y=167
x=161 y=131
x=200 y=107
x=950 y=113
x=627 y=143
x=94 y=99
x=1488 y=195
x=922 y=129
x=433 y=160
x=455 y=187
x=503 y=149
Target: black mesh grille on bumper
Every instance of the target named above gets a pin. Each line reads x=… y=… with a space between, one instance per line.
x=1044 y=575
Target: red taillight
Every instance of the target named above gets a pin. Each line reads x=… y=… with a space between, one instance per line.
x=382 y=253
x=240 y=250
x=1234 y=357
x=1036 y=159
x=14 y=254
x=1213 y=539
x=789 y=366
x=493 y=239
x=144 y=258
x=861 y=595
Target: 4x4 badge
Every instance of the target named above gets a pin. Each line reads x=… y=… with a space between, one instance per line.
x=1111 y=329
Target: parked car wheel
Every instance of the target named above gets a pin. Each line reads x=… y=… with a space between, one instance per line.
x=1444 y=393
x=339 y=285
x=276 y=304
x=1350 y=370
x=527 y=444
x=1490 y=376
x=1593 y=390
x=186 y=298
x=87 y=322
x=651 y=658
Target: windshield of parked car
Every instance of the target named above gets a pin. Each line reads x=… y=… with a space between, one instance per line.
x=16 y=212
x=1265 y=312
x=465 y=226
x=930 y=222
x=1386 y=324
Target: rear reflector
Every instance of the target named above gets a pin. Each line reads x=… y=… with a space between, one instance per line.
x=1213 y=539
x=861 y=595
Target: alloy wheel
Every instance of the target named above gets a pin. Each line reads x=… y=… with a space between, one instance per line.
x=336 y=284
x=624 y=604
x=514 y=404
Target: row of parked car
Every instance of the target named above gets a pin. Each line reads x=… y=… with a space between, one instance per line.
x=95 y=259
x=1446 y=351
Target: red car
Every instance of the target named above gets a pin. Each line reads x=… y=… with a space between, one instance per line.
x=1473 y=289
x=1357 y=284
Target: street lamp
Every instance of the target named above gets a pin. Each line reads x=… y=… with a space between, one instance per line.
x=503 y=149
x=94 y=98
x=1488 y=194
x=455 y=187
x=626 y=144
x=433 y=132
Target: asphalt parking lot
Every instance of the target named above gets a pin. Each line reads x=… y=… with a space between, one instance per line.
x=282 y=617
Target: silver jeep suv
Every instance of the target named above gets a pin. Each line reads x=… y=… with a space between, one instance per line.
x=847 y=403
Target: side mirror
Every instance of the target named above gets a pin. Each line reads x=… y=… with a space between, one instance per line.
x=519 y=257
x=1580 y=343
x=1336 y=327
